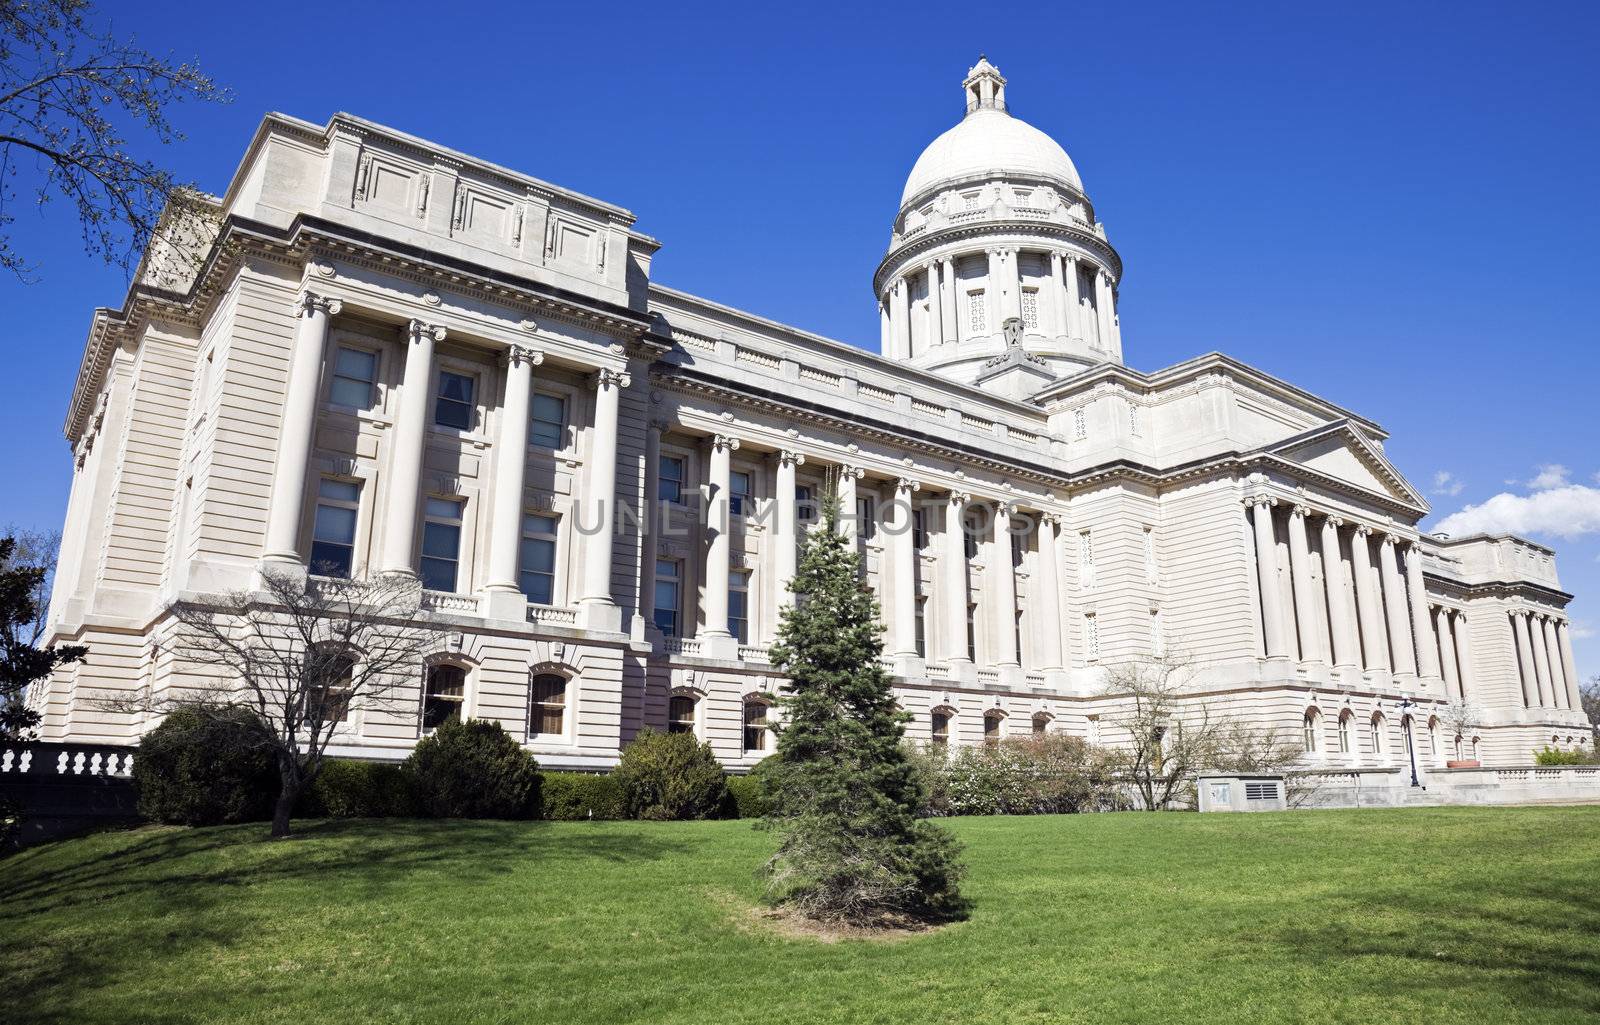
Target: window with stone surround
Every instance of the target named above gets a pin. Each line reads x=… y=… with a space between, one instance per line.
x=547 y=705
x=739 y=605
x=681 y=714
x=668 y=596
x=441 y=543
x=992 y=720
x=355 y=378
x=670 y=478
x=755 y=725
x=977 y=315
x=940 y=727
x=444 y=695
x=333 y=532
x=537 y=557
x=548 y=426
x=452 y=406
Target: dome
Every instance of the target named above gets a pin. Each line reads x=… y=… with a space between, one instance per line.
x=990 y=141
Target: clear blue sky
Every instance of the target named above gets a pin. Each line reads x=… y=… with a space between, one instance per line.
x=1393 y=205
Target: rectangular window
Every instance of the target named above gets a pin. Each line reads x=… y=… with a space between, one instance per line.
x=1030 y=308
x=537 y=558
x=669 y=476
x=452 y=407
x=922 y=628
x=739 y=493
x=1085 y=560
x=441 y=543
x=940 y=733
x=333 y=535
x=355 y=375
x=805 y=506
x=919 y=530
x=755 y=725
x=549 y=426
x=669 y=588
x=991 y=730
x=866 y=518
x=969 y=537
x=680 y=715
x=972 y=632
x=977 y=319
x=739 y=605
x=547 y=708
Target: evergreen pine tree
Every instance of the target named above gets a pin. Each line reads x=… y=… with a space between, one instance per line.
x=846 y=794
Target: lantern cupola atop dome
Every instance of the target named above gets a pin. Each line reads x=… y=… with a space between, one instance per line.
x=994 y=226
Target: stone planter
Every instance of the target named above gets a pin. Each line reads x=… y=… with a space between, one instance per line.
x=1464 y=763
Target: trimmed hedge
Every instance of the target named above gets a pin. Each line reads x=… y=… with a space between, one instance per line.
x=1548 y=755
x=206 y=765
x=570 y=796
x=348 y=789
x=671 y=776
x=747 y=798
x=474 y=770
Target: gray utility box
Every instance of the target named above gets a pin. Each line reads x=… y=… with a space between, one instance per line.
x=1241 y=793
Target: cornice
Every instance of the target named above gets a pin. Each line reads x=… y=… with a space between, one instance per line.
x=917 y=249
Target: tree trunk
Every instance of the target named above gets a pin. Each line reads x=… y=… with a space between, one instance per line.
x=288 y=796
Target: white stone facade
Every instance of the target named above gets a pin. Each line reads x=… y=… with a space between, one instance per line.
x=399 y=359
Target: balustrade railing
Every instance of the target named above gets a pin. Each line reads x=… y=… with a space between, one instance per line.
x=50 y=761
x=448 y=601
x=552 y=615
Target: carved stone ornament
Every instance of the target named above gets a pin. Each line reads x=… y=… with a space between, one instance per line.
x=311 y=303
x=519 y=354
x=788 y=458
x=420 y=330
x=724 y=441
x=609 y=378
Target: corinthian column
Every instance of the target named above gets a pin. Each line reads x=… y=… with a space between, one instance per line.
x=1530 y=681
x=1272 y=622
x=1558 y=679
x=405 y=458
x=848 y=475
x=991 y=292
x=1463 y=638
x=1305 y=608
x=903 y=560
x=719 y=551
x=1447 y=653
x=1372 y=632
x=1341 y=626
x=1102 y=309
x=600 y=607
x=786 y=536
x=1014 y=283
x=1394 y=606
x=297 y=430
x=1568 y=668
x=1075 y=325
x=1004 y=575
x=510 y=464
x=1428 y=657
x=935 y=307
x=953 y=566
x=1541 y=659
x=901 y=319
x=1048 y=623
x=947 y=296
x=1058 y=296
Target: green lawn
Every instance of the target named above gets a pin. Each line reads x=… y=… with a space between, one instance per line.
x=1421 y=915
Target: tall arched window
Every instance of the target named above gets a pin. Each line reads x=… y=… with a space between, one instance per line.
x=1433 y=736
x=1309 y=731
x=547 y=705
x=680 y=714
x=940 y=733
x=1458 y=748
x=755 y=725
x=1344 y=732
x=444 y=695
x=1375 y=733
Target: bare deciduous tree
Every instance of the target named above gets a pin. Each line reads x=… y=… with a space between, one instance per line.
x=69 y=91
x=1167 y=733
x=299 y=655
x=1589 y=694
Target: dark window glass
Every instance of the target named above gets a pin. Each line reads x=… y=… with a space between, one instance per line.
x=333 y=534
x=755 y=726
x=355 y=371
x=680 y=715
x=441 y=544
x=549 y=427
x=670 y=479
x=453 y=407
x=537 y=570
x=547 y=705
x=446 y=692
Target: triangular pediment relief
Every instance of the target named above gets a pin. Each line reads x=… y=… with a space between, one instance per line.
x=1340 y=451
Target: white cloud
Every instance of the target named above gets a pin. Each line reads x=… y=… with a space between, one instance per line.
x=1447 y=483
x=1582 y=631
x=1550 y=476
x=1565 y=511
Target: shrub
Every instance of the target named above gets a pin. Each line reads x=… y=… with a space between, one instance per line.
x=1548 y=755
x=1048 y=774
x=205 y=765
x=582 y=795
x=747 y=798
x=347 y=789
x=473 y=770
x=670 y=776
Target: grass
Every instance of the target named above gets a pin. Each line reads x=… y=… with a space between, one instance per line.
x=1419 y=915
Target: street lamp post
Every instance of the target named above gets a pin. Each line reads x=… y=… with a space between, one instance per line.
x=1409 y=725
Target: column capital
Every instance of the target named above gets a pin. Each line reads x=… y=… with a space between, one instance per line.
x=1258 y=500
x=418 y=330
x=724 y=441
x=1300 y=510
x=1334 y=521
x=1362 y=530
x=853 y=472
x=959 y=498
x=311 y=303
x=788 y=457
x=606 y=377
x=907 y=484
x=1388 y=539
x=517 y=355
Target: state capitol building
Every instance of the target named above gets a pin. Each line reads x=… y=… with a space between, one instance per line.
x=395 y=358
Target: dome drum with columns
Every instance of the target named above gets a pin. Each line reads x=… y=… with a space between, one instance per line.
x=994 y=228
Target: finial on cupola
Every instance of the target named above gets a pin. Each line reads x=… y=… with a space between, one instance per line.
x=985 y=86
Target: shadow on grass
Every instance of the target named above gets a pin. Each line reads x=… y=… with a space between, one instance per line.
x=175 y=887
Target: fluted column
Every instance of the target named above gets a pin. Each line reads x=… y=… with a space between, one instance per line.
x=652 y=519
x=1047 y=625
x=947 y=296
x=1273 y=628
x=510 y=464
x=848 y=475
x=991 y=292
x=1003 y=574
x=405 y=460
x=297 y=430
x=1075 y=326
x=1558 y=679
x=903 y=563
x=901 y=319
x=1569 y=668
x=953 y=566
x=1336 y=578
x=719 y=550
x=935 y=307
x=1394 y=607
x=1305 y=607
x=1102 y=309
x=1541 y=659
x=1530 y=679
x=1014 y=283
x=1374 y=641
x=1428 y=657
x=1462 y=633
x=1058 y=296
x=597 y=556
x=1447 y=653
x=786 y=535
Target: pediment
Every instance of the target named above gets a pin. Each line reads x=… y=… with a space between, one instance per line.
x=1340 y=451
